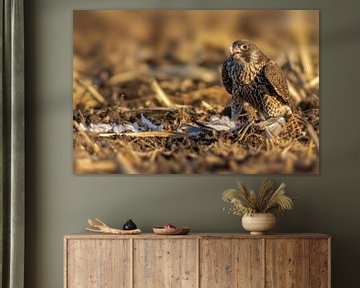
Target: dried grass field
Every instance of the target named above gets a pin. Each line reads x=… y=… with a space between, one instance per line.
x=148 y=97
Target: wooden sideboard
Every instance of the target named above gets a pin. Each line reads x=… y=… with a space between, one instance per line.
x=197 y=260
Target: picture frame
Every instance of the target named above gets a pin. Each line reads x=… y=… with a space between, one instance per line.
x=212 y=97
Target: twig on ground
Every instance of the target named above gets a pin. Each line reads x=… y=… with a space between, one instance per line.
x=151 y=134
x=106 y=135
x=152 y=110
x=294 y=93
x=313 y=135
x=161 y=95
x=93 y=92
x=304 y=51
x=314 y=82
x=123 y=77
x=87 y=166
x=86 y=137
x=124 y=165
x=186 y=71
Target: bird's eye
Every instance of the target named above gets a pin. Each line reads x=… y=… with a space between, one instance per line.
x=244 y=47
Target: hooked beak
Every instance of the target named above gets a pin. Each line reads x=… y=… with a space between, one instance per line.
x=231 y=49
x=234 y=52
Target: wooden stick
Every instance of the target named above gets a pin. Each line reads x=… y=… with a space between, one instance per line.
x=105 y=135
x=314 y=82
x=146 y=134
x=313 y=135
x=125 y=165
x=186 y=71
x=86 y=137
x=306 y=60
x=123 y=77
x=152 y=110
x=101 y=227
x=305 y=55
x=160 y=94
x=87 y=166
x=206 y=105
x=294 y=93
x=93 y=92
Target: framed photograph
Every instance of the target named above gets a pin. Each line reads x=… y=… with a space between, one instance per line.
x=196 y=92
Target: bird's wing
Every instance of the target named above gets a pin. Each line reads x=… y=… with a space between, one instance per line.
x=226 y=79
x=277 y=79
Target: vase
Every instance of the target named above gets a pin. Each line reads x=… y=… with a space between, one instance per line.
x=259 y=223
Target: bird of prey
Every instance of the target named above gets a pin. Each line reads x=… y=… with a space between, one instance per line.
x=250 y=76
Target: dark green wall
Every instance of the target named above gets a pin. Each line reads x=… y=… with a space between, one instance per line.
x=59 y=202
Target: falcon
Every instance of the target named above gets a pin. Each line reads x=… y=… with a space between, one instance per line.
x=250 y=76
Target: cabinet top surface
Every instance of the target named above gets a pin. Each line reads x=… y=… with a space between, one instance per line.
x=86 y=235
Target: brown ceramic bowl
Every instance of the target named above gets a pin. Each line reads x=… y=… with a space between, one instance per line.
x=171 y=231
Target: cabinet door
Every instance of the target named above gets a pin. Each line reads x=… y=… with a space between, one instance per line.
x=98 y=263
x=166 y=263
x=287 y=263
x=231 y=263
x=320 y=263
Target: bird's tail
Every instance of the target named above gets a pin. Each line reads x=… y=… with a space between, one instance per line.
x=296 y=127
